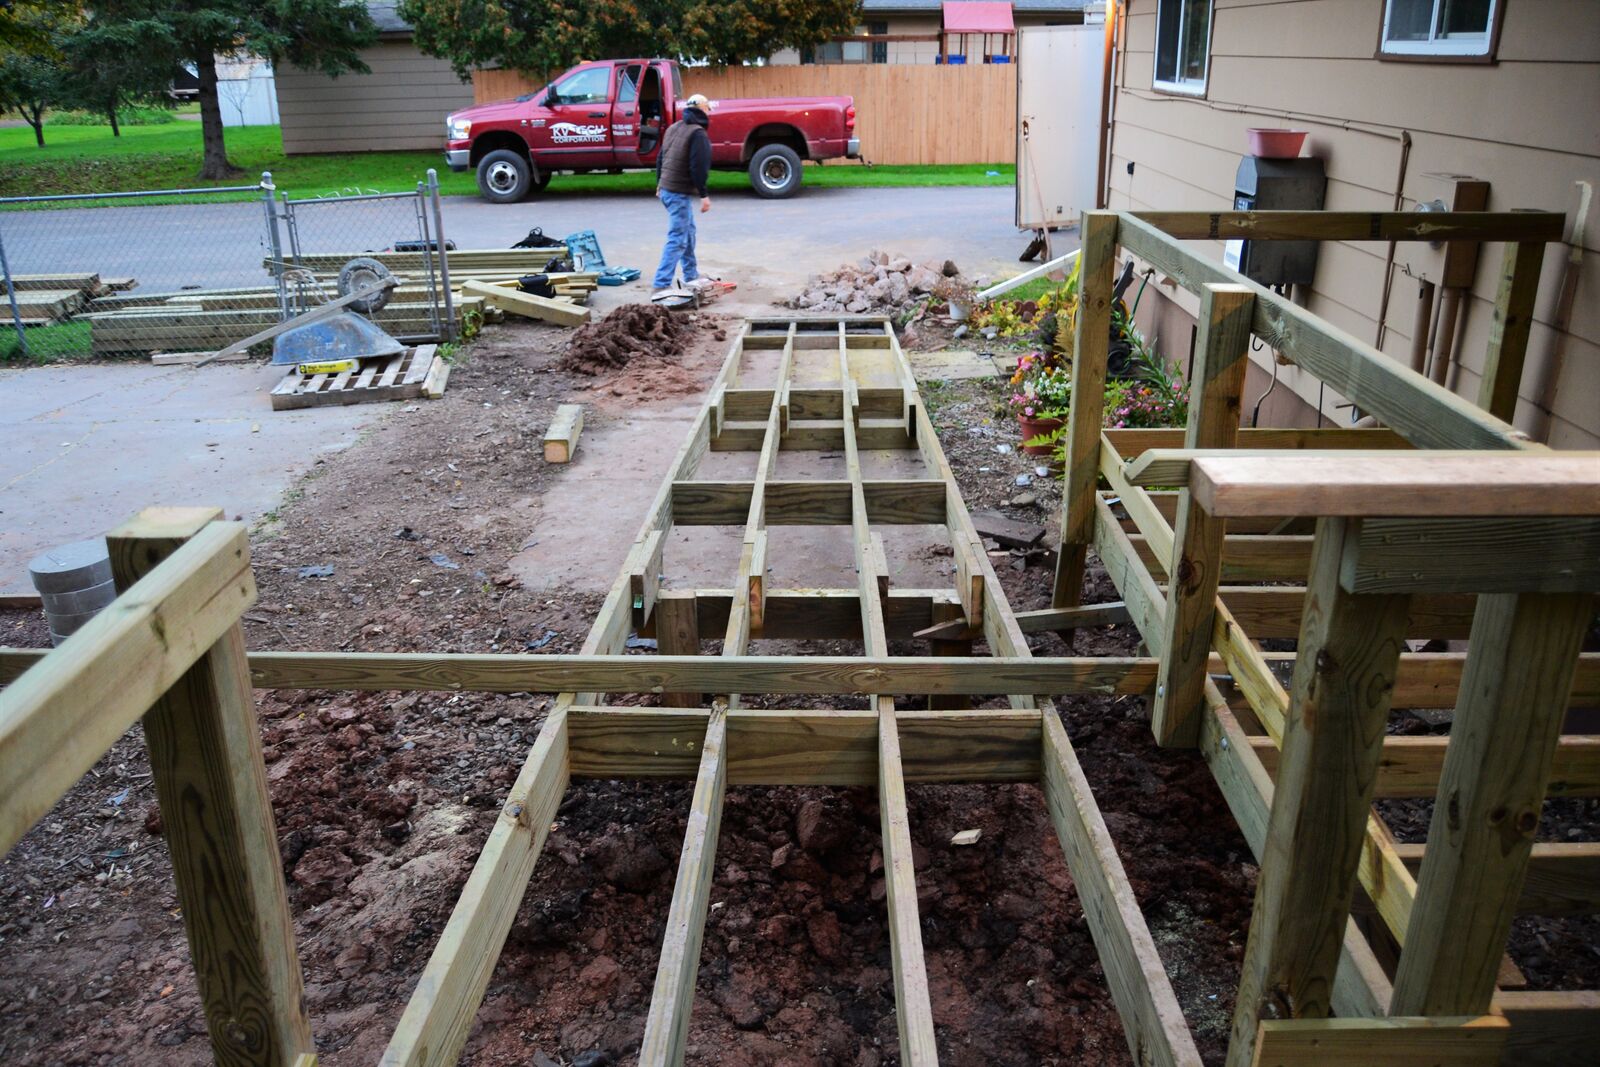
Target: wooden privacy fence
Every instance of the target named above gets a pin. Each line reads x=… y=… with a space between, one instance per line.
x=905 y=113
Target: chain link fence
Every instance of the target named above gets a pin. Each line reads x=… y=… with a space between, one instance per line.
x=174 y=273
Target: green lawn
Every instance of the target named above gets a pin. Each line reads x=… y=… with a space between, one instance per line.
x=87 y=159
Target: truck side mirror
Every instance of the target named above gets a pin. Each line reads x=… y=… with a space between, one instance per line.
x=551 y=98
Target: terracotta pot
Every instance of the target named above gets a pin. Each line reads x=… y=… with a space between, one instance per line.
x=1033 y=428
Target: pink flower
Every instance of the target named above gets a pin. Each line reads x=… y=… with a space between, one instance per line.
x=1028 y=411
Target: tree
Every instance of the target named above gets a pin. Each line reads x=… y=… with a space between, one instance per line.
x=323 y=35
x=537 y=37
x=107 y=66
x=31 y=76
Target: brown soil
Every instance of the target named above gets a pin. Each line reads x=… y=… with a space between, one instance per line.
x=383 y=801
x=630 y=332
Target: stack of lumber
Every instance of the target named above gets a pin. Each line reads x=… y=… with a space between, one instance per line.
x=481 y=265
x=43 y=299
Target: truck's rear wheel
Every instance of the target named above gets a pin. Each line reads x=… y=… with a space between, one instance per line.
x=775 y=172
x=504 y=176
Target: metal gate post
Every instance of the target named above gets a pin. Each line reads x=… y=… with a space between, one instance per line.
x=274 y=245
x=448 y=327
x=11 y=297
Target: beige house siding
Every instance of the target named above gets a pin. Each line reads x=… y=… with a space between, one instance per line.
x=1527 y=124
x=922 y=26
x=402 y=104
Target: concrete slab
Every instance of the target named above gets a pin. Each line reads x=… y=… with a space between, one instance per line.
x=86 y=446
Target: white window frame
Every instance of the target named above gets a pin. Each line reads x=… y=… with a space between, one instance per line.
x=1186 y=86
x=1439 y=46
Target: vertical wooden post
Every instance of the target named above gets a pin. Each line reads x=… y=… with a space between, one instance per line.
x=1508 y=333
x=678 y=634
x=1090 y=350
x=1344 y=673
x=205 y=756
x=1221 y=359
x=1522 y=654
x=944 y=612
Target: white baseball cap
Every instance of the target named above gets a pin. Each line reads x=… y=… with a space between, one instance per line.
x=698 y=100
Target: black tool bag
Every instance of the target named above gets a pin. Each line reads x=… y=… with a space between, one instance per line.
x=537 y=284
x=537 y=239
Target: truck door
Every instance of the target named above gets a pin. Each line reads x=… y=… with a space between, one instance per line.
x=625 y=115
x=572 y=126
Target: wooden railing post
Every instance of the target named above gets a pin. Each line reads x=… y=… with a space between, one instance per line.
x=205 y=756
x=1090 y=351
x=1513 y=700
x=1508 y=333
x=1220 y=361
x=1344 y=674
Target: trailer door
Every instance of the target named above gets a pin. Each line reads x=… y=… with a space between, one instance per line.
x=1059 y=84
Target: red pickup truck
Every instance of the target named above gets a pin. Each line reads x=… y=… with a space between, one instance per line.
x=610 y=115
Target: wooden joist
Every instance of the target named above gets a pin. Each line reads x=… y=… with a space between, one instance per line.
x=527 y=304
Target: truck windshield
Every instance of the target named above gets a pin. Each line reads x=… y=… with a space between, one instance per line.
x=589 y=86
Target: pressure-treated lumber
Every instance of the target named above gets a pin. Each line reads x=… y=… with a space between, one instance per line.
x=1454 y=484
x=527 y=304
x=205 y=756
x=908 y=501
x=1563 y=878
x=1091 y=338
x=1523 y=651
x=677 y=626
x=441 y=1009
x=1476 y=226
x=1550 y=1029
x=561 y=438
x=1436 y=1041
x=1350 y=646
x=1483 y=555
x=1139 y=985
x=1411 y=767
x=1510 y=325
x=1221 y=357
x=61 y=716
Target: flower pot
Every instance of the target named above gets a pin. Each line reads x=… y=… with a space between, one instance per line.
x=959 y=312
x=1032 y=428
x=1275 y=144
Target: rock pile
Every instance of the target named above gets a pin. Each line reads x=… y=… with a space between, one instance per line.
x=878 y=282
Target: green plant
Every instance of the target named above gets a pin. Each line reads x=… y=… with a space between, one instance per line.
x=1041 y=387
x=1156 y=395
x=126 y=116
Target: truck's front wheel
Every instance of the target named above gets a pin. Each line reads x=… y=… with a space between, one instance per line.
x=504 y=176
x=775 y=172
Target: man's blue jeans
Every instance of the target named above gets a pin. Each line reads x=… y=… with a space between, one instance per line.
x=680 y=240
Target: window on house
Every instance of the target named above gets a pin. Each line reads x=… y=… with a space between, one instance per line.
x=1438 y=27
x=1183 y=45
x=880 y=49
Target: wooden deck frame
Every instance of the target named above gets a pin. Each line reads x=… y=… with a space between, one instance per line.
x=1301 y=966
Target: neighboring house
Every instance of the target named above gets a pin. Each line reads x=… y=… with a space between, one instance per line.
x=402 y=104
x=1401 y=98
x=937 y=31
x=247 y=90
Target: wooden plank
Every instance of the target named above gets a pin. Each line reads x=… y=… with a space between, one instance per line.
x=1463 y=1041
x=1509 y=327
x=440 y=1012
x=1427 y=415
x=816 y=502
x=1133 y=442
x=211 y=784
x=1143 y=598
x=667 y=1027
x=813 y=747
x=1045 y=620
x=1504 y=555
x=1151 y=1018
x=1550 y=1029
x=644 y=577
x=527 y=305
x=1008 y=532
x=1523 y=652
x=61 y=716
x=1478 y=226
x=561 y=438
x=1563 y=878
x=678 y=634
x=1222 y=354
x=1449 y=483
x=1091 y=339
x=1411 y=767
x=1350 y=647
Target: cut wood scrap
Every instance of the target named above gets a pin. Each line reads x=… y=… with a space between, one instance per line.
x=20 y=601
x=1009 y=532
x=561 y=439
x=438 y=375
x=24 y=282
x=167 y=359
x=528 y=305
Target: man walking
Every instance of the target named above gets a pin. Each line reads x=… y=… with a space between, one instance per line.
x=682 y=170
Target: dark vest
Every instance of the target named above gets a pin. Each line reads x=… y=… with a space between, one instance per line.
x=675 y=177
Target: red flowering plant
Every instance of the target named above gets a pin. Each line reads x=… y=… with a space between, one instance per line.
x=1041 y=388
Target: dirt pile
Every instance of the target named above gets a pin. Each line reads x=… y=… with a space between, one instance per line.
x=878 y=282
x=630 y=332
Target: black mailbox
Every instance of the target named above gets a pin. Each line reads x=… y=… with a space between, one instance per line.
x=1277 y=185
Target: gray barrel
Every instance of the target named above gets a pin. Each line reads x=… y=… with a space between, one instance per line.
x=74 y=582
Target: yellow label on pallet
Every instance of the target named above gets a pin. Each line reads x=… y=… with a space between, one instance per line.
x=332 y=366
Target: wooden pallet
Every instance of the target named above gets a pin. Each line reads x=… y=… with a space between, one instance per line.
x=401 y=377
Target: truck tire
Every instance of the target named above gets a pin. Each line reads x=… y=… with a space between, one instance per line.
x=775 y=172
x=504 y=176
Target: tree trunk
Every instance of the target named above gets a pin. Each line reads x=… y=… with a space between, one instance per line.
x=34 y=115
x=111 y=113
x=214 y=165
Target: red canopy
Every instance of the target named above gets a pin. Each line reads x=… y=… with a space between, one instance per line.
x=978 y=16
